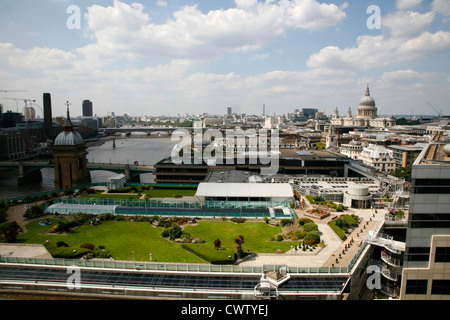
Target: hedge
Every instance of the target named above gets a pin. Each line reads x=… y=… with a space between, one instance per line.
x=337 y=230
x=206 y=258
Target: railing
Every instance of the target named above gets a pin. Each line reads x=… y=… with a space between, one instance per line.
x=390 y=260
x=167 y=267
x=389 y=274
x=175 y=203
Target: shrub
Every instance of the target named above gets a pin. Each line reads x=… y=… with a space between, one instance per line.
x=217 y=244
x=34 y=212
x=238 y=220
x=337 y=230
x=68 y=192
x=106 y=216
x=302 y=221
x=279 y=238
x=175 y=232
x=285 y=222
x=61 y=244
x=310 y=226
x=299 y=234
x=312 y=237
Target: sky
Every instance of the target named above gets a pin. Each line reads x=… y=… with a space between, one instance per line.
x=170 y=57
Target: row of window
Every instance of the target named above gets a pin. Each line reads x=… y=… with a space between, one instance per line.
x=427 y=186
x=421 y=287
x=423 y=254
x=432 y=220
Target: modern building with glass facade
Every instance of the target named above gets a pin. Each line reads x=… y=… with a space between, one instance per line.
x=426 y=263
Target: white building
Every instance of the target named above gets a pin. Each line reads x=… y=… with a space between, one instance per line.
x=277 y=192
x=378 y=157
x=352 y=149
x=116 y=182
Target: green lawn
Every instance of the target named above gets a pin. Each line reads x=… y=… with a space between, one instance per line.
x=256 y=236
x=121 y=238
x=112 y=196
x=155 y=193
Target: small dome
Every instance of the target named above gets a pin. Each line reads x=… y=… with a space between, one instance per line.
x=68 y=138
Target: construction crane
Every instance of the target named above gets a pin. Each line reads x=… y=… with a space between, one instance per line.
x=439 y=113
x=26 y=101
x=6 y=91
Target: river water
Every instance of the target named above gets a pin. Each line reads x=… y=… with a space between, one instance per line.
x=146 y=151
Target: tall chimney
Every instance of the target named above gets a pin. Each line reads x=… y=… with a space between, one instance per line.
x=48 y=123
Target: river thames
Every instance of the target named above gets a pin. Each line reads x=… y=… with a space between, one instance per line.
x=147 y=151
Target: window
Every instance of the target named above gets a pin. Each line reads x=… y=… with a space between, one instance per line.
x=426 y=186
x=418 y=254
x=442 y=254
x=440 y=287
x=416 y=286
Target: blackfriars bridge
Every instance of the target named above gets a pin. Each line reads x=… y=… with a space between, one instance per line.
x=30 y=171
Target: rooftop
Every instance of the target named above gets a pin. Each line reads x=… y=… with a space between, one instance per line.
x=436 y=152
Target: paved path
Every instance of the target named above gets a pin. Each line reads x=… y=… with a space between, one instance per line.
x=333 y=245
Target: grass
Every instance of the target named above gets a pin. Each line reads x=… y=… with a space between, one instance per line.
x=112 y=196
x=121 y=238
x=256 y=236
x=155 y=193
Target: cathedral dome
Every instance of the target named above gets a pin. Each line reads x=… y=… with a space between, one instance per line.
x=367 y=100
x=366 y=108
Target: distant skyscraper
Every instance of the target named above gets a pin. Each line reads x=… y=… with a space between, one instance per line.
x=264 y=110
x=87 y=108
x=48 y=122
x=229 y=111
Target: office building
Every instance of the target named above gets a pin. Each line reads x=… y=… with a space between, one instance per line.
x=87 y=108
x=426 y=263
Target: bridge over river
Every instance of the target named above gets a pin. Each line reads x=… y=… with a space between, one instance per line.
x=28 y=171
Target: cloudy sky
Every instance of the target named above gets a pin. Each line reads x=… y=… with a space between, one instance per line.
x=176 y=57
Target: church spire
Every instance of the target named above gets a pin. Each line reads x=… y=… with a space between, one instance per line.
x=367 y=91
x=68 y=126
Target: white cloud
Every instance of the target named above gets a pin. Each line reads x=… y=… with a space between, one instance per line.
x=44 y=59
x=407 y=4
x=126 y=29
x=161 y=3
x=408 y=23
x=408 y=39
x=441 y=6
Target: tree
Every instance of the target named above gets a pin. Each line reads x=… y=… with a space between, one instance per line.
x=9 y=231
x=217 y=244
x=238 y=245
x=175 y=232
x=312 y=237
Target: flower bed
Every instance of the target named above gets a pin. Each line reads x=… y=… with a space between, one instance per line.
x=317 y=213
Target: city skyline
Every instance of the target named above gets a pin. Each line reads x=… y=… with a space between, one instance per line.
x=177 y=57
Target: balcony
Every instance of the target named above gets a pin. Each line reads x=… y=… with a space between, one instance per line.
x=388 y=274
x=390 y=260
